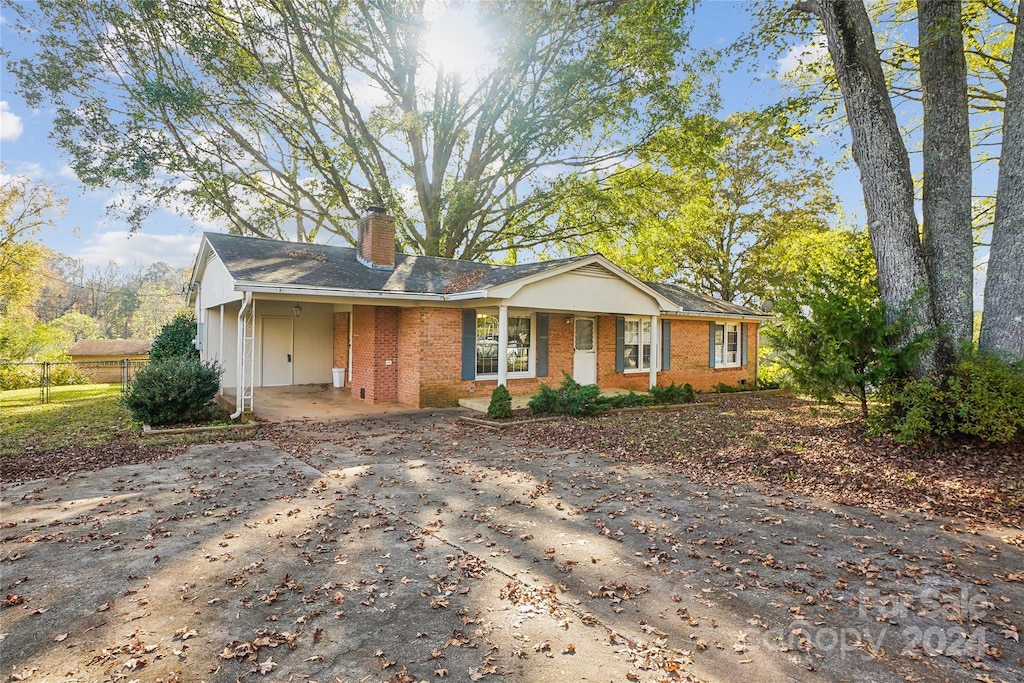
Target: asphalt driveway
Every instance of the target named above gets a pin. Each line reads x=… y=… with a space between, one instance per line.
x=412 y=548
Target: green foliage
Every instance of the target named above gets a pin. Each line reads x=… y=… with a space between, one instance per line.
x=673 y=394
x=771 y=374
x=983 y=397
x=173 y=389
x=831 y=334
x=175 y=338
x=724 y=388
x=714 y=206
x=630 y=400
x=571 y=398
x=500 y=406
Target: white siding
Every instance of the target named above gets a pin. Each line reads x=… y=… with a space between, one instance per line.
x=589 y=292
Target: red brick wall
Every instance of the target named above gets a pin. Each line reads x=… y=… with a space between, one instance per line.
x=411 y=352
x=426 y=345
x=374 y=342
x=690 y=357
x=341 y=340
x=430 y=339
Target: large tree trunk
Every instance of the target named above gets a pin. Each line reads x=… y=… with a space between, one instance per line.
x=1002 y=325
x=884 y=167
x=948 y=240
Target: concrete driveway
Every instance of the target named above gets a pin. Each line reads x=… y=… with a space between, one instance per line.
x=412 y=548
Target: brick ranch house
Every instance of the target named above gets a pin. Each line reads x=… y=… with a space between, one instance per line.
x=426 y=331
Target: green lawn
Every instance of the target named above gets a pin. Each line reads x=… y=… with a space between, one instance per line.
x=87 y=415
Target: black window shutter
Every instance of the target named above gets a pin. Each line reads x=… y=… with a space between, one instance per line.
x=469 y=343
x=711 y=347
x=666 y=344
x=620 y=344
x=542 y=344
x=743 y=344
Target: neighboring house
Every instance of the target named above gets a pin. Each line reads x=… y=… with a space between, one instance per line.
x=102 y=360
x=110 y=349
x=426 y=331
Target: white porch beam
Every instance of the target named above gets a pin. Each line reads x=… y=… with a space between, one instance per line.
x=503 y=345
x=655 y=351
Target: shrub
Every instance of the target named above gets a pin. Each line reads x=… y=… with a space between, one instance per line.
x=571 y=398
x=545 y=401
x=630 y=400
x=172 y=390
x=673 y=394
x=982 y=397
x=501 y=403
x=724 y=388
x=175 y=338
x=62 y=375
x=771 y=374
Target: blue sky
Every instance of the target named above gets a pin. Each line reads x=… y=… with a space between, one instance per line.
x=88 y=233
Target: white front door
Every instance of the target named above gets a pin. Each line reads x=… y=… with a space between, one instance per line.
x=276 y=365
x=584 y=357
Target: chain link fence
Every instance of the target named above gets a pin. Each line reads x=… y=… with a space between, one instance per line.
x=32 y=383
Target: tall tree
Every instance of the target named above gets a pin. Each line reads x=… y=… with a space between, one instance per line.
x=26 y=206
x=881 y=156
x=946 y=152
x=1002 y=325
x=289 y=117
x=713 y=207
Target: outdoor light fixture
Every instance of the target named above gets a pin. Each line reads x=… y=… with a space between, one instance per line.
x=298 y=309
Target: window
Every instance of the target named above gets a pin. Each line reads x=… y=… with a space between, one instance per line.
x=637 y=345
x=518 y=355
x=727 y=345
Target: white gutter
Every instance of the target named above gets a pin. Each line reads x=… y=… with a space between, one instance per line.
x=253 y=288
x=240 y=367
x=718 y=316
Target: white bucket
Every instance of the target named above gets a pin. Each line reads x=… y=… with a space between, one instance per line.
x=339 y=377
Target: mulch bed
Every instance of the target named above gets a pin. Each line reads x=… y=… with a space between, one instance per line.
x=788 y=445
x=60 y=462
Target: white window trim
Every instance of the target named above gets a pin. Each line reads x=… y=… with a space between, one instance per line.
x=639 y=370
x=532 y=359
x=726 y=326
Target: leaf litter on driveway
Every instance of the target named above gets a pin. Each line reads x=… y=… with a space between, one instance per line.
x=415 y=548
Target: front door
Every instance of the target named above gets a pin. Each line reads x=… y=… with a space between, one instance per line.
x=276 y=359
x=584 y=357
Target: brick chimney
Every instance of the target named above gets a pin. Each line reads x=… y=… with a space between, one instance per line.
x=375 y=244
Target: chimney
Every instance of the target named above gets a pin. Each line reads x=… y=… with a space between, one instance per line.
x=375 y=244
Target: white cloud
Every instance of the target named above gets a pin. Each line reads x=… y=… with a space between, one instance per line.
x=10 y=123
x=141 y=248
x=814 y=51
x=67 y=172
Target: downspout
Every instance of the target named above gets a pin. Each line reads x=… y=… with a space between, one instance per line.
x=240 y=368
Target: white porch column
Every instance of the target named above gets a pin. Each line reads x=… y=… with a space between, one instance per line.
x=655 y=351
x=220 y=345
x=503 y=345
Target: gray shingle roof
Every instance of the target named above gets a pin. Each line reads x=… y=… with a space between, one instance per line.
x=272 y=262
x=110 y=347
x=698 y=303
